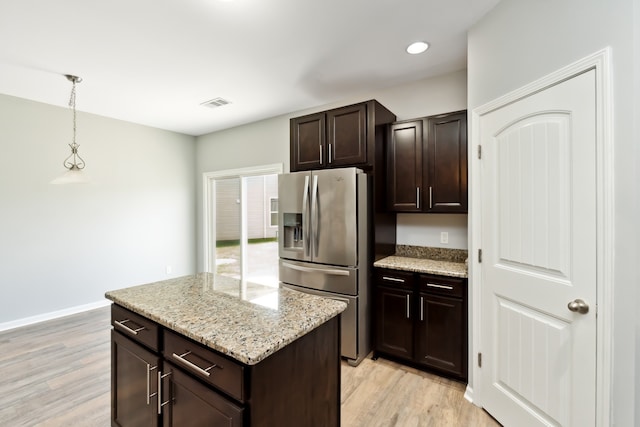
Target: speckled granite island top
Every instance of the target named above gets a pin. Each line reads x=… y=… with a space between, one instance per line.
x=445 y=262
x=246 y=323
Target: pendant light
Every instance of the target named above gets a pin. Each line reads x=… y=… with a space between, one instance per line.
x=74 y=162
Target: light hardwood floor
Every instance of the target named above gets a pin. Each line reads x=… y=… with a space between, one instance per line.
x=57 y=373
x=384 y=393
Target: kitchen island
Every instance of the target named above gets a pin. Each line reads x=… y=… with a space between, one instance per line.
x=205 y=350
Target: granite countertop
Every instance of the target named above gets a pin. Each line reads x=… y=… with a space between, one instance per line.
x=246 y=323
x=445 y=262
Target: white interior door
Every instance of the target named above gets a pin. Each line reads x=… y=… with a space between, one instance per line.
x=538 y=173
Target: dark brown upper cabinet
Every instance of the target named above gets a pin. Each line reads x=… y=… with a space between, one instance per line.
x=307 y=142
x=404 y=166
x=339 y=137
x=347 y=136
x=446 y=159
x=427 y=164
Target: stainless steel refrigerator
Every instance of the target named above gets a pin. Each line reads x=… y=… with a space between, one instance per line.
x=323 y=245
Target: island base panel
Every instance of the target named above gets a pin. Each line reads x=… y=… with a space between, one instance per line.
x=300 y=384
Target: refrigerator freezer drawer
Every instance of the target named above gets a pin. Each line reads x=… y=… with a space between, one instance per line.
x=349 y=320
x=329 y=278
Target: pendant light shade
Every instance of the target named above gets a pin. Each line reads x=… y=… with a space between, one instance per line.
x=72 y=176
x=74 y=163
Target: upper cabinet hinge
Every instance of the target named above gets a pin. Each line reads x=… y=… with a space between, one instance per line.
x=479 y=360
x=479 y=255
x=479 y=151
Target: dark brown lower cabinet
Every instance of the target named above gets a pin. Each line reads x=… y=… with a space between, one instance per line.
x=160 y=379
x=395 y=326
x=133 y=383
x=192 y=404
x=440 y=334
x=422 y=319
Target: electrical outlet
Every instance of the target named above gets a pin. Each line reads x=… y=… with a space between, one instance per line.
x=444 y=237
x=169 y=269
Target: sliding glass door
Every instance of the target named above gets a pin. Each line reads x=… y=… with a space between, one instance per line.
x=228 y=227
x=241 y=223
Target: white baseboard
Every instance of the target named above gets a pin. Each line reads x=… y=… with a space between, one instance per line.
x=468 y=393
x=52 y=315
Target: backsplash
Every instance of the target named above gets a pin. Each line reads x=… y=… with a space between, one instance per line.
x=414 y=229
x=438 y=254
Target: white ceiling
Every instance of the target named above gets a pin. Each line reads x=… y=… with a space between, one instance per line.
x=154 y=62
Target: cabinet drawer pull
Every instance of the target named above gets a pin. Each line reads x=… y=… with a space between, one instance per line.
x=433 y=285
x=180 y=358
x=122 y=325
x=408 y=304
x=392 y=279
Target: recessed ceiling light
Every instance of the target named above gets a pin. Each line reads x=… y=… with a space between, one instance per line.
x=417 y=47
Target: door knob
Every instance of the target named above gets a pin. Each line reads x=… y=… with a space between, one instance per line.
x=578 y=306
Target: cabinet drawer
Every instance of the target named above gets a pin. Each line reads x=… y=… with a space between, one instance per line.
x=397 y=278
x=136 y=327
x=442 y=285
x=204 y=363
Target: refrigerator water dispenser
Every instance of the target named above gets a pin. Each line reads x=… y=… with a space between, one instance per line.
x=292 y=230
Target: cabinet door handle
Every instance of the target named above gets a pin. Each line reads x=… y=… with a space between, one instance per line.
x=320 y=146
x=149 y=395
x=121 y=324
x=330 y=158
x=160 y=402
x=392 y=279
x=418 y=197
x=421 y=309
x=433 y=285
x=408 y=304
x=180 y=358
x=430 y=197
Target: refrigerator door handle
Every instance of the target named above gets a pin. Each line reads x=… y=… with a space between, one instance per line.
x=330 y=271
x=315 y=224
x=306 y=220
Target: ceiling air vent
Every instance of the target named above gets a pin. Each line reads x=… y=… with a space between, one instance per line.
x=215 y=103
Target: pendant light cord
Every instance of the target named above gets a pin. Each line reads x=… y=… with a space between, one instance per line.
x=72 y=104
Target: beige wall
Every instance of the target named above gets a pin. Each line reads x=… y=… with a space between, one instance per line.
x=64 y=246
